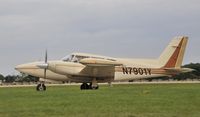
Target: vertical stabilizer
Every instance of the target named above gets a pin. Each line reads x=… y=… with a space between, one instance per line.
x=172 y=57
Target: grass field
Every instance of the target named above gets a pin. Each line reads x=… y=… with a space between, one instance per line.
x=136 y=100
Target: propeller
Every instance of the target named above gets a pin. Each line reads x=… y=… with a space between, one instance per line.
x=45 y=70
x=45 y=64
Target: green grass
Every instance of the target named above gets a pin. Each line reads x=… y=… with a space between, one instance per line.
x=145 y=100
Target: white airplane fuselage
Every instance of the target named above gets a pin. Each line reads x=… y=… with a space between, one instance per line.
x=121 y=73
x=89 y=68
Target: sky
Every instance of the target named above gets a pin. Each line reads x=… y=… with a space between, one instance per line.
x=116 y=28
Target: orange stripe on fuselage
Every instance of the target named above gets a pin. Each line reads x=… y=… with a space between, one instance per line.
x=173 y=59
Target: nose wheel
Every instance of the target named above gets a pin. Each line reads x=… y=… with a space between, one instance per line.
x=41 y=87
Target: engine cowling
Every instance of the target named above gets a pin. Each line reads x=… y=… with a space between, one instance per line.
x=65 y=68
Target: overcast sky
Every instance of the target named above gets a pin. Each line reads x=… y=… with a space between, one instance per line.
x=118 y=28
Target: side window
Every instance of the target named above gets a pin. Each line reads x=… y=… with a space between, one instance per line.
x=74 y=59
x=78 y=58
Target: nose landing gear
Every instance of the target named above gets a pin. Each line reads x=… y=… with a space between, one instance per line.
x=41 y=87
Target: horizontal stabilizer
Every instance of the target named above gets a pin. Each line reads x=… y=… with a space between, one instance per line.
x=179 y=70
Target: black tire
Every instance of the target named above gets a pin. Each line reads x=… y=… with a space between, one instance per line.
x=84 y=86
x=97 y=87
x=44 y=87
x=41 y=87
x=90 y=86
x=38 y=87
x=93 y=88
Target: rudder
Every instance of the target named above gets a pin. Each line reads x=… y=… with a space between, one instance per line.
x=172 y=57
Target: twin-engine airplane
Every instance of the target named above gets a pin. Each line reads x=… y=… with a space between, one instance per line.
x=90 y=69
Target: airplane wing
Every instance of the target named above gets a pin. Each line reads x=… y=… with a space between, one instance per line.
x=102 y=69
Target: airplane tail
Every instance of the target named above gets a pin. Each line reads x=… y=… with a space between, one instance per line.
x=172 y=57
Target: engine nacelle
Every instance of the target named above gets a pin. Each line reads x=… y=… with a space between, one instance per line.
x=65 y=68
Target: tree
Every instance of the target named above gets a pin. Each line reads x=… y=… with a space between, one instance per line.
x=26 y=78
x=2 y=77
x=195 y=66
x=10 y=79
x=30 y=78
x=190 y=75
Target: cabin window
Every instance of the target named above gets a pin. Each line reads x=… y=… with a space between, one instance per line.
x=77 y=58
x=74 y=58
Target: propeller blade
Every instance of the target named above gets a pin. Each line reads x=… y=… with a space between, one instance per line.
x=45 y=73
x=46 y=64
x=46 y=56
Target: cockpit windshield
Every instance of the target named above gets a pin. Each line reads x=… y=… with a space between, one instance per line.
x=74 y=58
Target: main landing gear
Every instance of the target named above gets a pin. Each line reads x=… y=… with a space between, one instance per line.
x=92 y=85
x=41 y=87
x=85 y=86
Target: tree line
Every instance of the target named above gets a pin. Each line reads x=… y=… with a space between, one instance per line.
x=183 y=76
x=18 y=78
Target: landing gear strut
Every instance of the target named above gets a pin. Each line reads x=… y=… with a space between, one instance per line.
x=41 y=87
